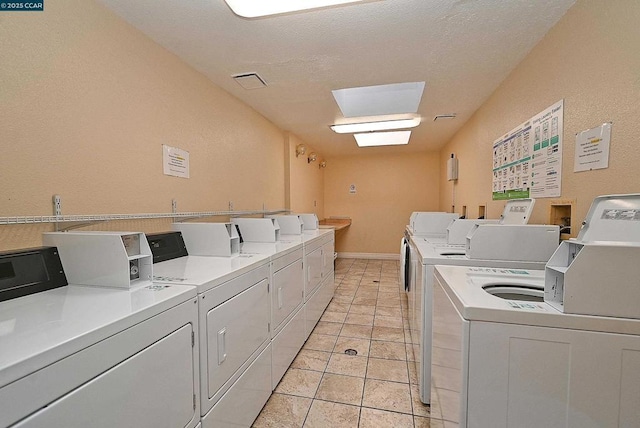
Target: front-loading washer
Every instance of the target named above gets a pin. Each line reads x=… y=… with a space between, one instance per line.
x=501 y=363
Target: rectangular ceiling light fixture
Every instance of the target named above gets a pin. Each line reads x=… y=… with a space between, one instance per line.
x=350 y=128
x=396 y=98
x=258 y=8
x=382 y=138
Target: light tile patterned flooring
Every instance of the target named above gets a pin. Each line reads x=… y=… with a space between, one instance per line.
x=325 y=388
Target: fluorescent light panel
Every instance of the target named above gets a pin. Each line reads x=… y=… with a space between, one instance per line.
x=382 y=138
x=350 y=128
x=396 y=98
x=257 y=8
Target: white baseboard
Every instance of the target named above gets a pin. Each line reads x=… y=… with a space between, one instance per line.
x=374 y=256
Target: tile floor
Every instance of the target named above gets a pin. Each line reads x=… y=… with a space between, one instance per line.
x=324 y=387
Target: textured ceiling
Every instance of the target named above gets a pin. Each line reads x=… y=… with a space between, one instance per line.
x=462 y=49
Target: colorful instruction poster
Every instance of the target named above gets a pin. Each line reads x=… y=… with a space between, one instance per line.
x=527 y=161
x=175 y=161
x=592 y=148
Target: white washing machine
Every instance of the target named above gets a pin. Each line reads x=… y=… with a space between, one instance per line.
x=79 y=356
x=515 y=211
x=505 y=249
x=427 y=225
x=504 y=362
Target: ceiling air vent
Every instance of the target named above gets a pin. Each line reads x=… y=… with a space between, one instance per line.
x=250 y=80
x=444 y=116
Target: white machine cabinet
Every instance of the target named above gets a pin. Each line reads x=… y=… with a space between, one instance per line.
x=209 y=239
x=289 y=224
x=310 y=221
x=104 y=259
x=430 y=223
x=597 y=274
x=527 y=242
x=257 y=229
x=150 y=388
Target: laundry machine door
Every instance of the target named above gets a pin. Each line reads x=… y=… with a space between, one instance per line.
x=313 y=272
x=153 y=388
x=287 y=293
x=235 y=330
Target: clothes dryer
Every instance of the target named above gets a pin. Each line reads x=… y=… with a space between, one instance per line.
x=78 y=356
x=234 y=312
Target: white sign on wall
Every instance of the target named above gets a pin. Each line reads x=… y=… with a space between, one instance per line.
x=175 y=161
x=592 y=148
x=527 y=161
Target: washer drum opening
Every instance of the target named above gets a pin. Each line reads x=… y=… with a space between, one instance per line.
x=529 y=293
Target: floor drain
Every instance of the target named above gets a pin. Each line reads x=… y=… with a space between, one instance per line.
x=351 y=352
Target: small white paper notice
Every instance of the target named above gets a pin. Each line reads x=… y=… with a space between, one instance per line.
x=592 y=148
x=175 y=161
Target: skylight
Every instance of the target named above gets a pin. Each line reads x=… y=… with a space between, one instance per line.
x=396 y=98
x=371 y=139
x=257 y=8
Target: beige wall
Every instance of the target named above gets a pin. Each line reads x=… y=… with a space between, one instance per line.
x=304 y=181
x=590 y=59
x=388 y=189
x=86 y=103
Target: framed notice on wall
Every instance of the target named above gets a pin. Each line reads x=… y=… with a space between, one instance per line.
x=527 y=161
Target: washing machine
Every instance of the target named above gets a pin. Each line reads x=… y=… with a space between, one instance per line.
x=491 y=245
x=500 y=361
x=77 y=355
x=515 y=211
x=428 y=225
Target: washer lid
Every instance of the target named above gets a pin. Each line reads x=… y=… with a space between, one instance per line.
x=613 y=218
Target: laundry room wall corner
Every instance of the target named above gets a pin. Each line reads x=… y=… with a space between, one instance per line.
x=304 y=180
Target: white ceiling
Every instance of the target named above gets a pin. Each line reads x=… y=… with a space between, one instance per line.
x=462 y=49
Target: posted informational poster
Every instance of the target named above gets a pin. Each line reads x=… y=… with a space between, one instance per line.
x=592 y=148
x=175 y=161
x=527 y=161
